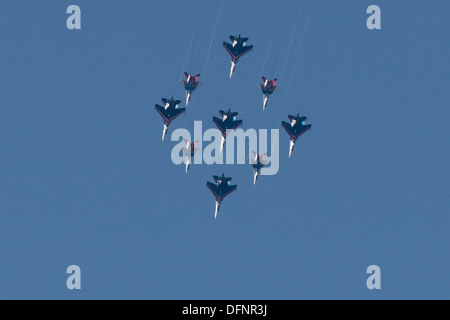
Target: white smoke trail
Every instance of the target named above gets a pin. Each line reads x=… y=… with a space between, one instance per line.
x=292 y=40
x=212 y=39
x=192 y=40
x=296 y=59
x=275 y=31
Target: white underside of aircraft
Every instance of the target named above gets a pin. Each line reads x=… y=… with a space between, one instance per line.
x=188 y=155
x=188 y=97
x=291 y=147
x=164 y=131
x=217 y=209
x=255 y=177
x=266 y=98
x=222 y=144
x=233 y=65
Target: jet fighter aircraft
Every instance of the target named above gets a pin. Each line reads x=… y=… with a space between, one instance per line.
x=189 y=152
x=295 y=129
x=236 y=50
x=169 y=112
x=228 y=122
x=220 y=190
x=258 y=163
x=267 y=88
x=190 y=84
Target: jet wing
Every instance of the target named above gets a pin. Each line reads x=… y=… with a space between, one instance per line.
x=230 y=50
x=197 y=84
x=260 y=86
x=190 y=86
x=221 y=125
x=243 y=50
x=267 y=90
x=234 y=124
x=226 y=125
x=271 y=91
x=184 y=84
x=220 y=192
x=170 y=114
x=237 y=52
x=296 y=131
x=253 y=161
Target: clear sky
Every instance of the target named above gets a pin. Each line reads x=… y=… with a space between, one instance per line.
x=86 y=180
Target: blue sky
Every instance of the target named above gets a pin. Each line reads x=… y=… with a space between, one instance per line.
x=86 y=180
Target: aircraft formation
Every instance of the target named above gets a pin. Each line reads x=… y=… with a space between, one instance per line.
x=228 y=121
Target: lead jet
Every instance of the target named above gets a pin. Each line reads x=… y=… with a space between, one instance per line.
x=267 y=88
x=169 y=112
x=295 y=129
x=190 y=84
x=236 y=49
x=227 y=122
x=189 y=152
x=220 y=190
x=258 y=163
